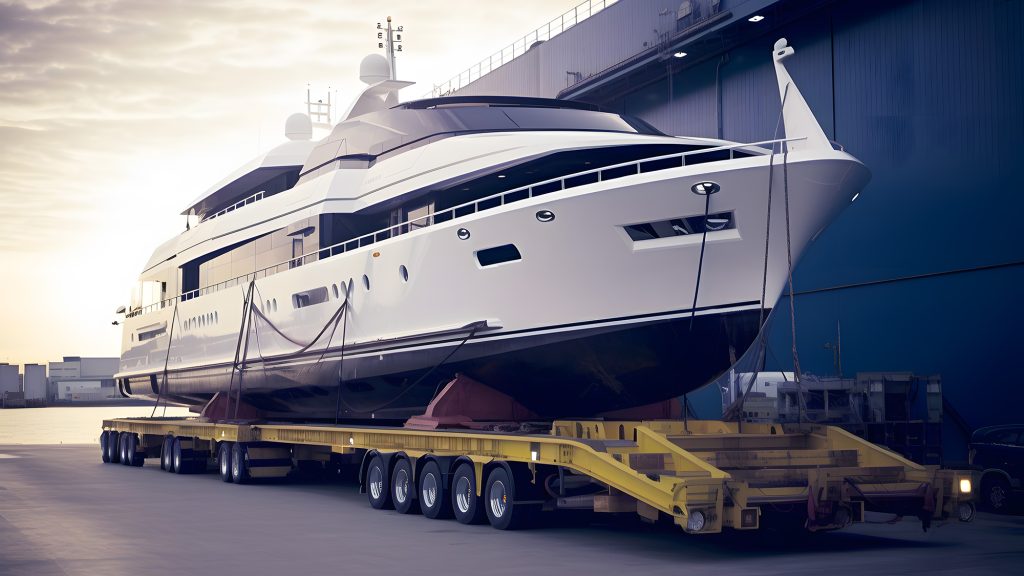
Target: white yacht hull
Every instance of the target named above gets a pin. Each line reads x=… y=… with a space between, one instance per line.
x=588 y=320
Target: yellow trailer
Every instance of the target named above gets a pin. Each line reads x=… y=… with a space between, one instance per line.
x=703 y=475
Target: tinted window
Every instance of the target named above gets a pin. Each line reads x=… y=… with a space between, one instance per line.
x=1005 y=437
x=377 y=133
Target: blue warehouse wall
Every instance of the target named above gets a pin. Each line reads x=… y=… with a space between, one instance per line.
x=928 y=94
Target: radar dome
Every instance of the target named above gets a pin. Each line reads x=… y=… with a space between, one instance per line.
x=374 y=68
x=298 y=127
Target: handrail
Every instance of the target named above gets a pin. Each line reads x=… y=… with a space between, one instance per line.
x=254 y=198
x=458 y=211
x=509 y=53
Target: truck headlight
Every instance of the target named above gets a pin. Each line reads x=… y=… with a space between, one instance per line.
x=965 y=485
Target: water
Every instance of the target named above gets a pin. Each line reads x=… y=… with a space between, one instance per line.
x=67 y=424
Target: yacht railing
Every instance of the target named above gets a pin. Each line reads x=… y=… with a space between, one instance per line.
x=255 y=197
x=593 y=175
x=521 y=46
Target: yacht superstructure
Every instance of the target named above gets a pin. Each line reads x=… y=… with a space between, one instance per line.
x=546 y=248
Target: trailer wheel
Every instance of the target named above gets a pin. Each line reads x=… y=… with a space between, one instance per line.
x=167 y=453
x=433 y=499
x=465 y=502
x=104 y=453
x=122 y=448
x=403 y=489
x=134 y=457
x=499 y=502
x=239 y=463
x=113 y=455
x=179 y=461
x=378 y=492
x=224 y=461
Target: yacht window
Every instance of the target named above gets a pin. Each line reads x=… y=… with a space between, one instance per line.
x=420 y=216
x=309 y=297
x=498 y=255
x=296 y=253
x=681 y=226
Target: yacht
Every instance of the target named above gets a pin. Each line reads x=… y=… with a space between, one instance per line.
x=575 y=259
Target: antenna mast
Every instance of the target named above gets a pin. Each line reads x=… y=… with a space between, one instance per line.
x=319 y=112
x=390 y=39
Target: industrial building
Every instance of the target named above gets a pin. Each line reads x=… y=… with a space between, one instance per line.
x=922 y=272
x=9 y=378
x=77 y=379
x=34 y=376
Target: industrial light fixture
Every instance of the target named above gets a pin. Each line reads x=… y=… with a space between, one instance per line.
x=680 y=54
x=755 y=18
x=855 y=196
x=501 y=175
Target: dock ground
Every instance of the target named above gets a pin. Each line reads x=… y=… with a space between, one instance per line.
x=64 y=512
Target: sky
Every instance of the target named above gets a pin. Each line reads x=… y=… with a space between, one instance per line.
x=115 y=114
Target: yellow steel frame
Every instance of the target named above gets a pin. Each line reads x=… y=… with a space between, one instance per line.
x=709 y=466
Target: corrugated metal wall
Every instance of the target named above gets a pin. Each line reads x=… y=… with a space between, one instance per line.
x=930 y=95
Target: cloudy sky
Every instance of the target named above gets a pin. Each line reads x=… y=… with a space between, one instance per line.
x=115 y=114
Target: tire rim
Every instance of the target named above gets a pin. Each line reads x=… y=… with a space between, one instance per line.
x=224 y=468
x=401 y=486
x=498 y=498
x=236 y=470
x=177 y=459
x=376 y=482
x=429 y=490
x=463 y=494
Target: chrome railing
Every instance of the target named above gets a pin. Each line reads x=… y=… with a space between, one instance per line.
x=255 y=197
x=629 y=168
x=521 y=46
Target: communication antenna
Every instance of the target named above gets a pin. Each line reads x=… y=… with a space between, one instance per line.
x=319 y=112
x=390 y=39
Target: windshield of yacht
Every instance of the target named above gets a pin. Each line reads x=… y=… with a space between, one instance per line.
x=370 y=136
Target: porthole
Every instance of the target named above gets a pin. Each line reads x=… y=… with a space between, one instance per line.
x=366 y=282
x=545 y=215
x=463 y=234
x=216 y=318
x=334 y=288
x=404 y=273
x=274 y=302
x=268 y=305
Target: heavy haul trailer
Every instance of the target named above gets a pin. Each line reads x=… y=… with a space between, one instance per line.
x=704 y=475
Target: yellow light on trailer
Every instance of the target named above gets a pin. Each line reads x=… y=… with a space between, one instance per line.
x=965 y=485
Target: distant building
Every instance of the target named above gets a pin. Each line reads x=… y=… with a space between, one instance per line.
x=9 y=381
x=35 y=382
x=77 y=379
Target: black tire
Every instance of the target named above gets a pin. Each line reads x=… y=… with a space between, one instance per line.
x=403 y=488
x=433 y=493
x=122 y=448
x=378 y=489
x=136 y=457
x=224 y=461
x=167 y=454
x=104 y=453
x=180 y=458
x=113 y=454
x=500 y=502
x=466 y=504
x=995 y=493
x=239 y=464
